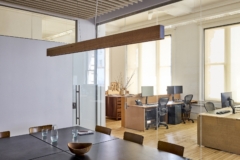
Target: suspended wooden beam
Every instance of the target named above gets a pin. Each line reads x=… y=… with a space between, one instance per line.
x=131 y=37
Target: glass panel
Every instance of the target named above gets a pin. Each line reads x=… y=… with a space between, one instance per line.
x=88 y=93
x=159 y=64
x=24 y=24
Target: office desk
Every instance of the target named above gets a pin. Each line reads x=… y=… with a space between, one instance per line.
x=219 y=131
x=135 y=114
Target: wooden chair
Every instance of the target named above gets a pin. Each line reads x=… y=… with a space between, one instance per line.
x=39 y=128
x=104 y=130
x=5 y=134
x=133 y=137
x=172 y=148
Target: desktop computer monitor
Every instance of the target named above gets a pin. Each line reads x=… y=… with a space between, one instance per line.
x=178 y=89
x=170 y=89
x=225 y=97
x=147 y=91
x=227 y=101
x=174 y=90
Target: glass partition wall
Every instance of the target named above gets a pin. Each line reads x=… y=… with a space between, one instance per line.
x=178 y=60
x=25 y=24
x=118 y=74
x=88 y=89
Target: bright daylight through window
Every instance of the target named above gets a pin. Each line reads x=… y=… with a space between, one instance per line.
x=222 y=62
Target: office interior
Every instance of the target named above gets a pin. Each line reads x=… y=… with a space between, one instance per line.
x=199 y=53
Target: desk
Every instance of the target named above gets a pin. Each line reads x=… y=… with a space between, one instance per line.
x=219 y=131
x=135 y=114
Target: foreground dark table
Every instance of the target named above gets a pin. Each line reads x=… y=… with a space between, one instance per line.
x=24 y=147
x=124 y=150
x=65 y=136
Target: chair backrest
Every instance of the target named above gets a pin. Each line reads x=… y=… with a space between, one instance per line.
x=5 y=134
x=133 y=137
x=209 y=106
x=39 y=128
x=187 y=101
x=104 y=130
x=162 y=105
x=172 y=148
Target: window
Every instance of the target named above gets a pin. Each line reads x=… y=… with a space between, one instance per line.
x=222 y=62
x=151 y=63
x=24 y=24
x=164 y=64
x=91 y=67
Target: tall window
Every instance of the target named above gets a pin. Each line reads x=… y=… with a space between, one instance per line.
x=151 y=62
x=222 y=62
x=164 y=66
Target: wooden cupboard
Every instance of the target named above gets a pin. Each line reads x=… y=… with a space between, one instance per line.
x=113 y=107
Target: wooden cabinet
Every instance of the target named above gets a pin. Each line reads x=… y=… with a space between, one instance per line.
x=113 y=107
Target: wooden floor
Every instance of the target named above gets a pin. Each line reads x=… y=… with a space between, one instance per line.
x=182 y=134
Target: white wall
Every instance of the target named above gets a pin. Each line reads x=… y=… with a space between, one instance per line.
x=34 y=89
x=117 y=63
x=185 y=59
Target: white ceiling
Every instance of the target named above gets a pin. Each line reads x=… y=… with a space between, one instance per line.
x=171 y=11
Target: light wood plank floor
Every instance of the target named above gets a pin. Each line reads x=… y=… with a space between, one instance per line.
x=182 y=134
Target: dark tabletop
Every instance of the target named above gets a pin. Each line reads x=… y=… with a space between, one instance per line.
x=124 y=150
x=65 y=136
x=24 y=147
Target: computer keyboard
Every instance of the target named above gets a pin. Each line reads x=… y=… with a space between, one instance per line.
x=223 y=112
x=151 y=104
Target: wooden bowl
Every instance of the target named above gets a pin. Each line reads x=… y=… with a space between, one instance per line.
x=79 y=148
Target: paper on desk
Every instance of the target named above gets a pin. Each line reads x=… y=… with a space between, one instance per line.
x=85 y=132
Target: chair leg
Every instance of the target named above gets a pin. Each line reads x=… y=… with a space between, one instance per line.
x=164 y=124
x=191 y=120
x=183 y=115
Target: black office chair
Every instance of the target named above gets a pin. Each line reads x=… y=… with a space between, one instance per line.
x=162 y=111
x=209 y=106
x=186 y=108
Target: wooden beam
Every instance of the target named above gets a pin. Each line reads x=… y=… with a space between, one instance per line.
x=131 y=37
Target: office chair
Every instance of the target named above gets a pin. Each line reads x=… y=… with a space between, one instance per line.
x=133 y=137
x=209 y=106
x=186 y=108
x=171 y=148
x=104 y=130
x=162 y=111
x=5 y=134
x=39 y=128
